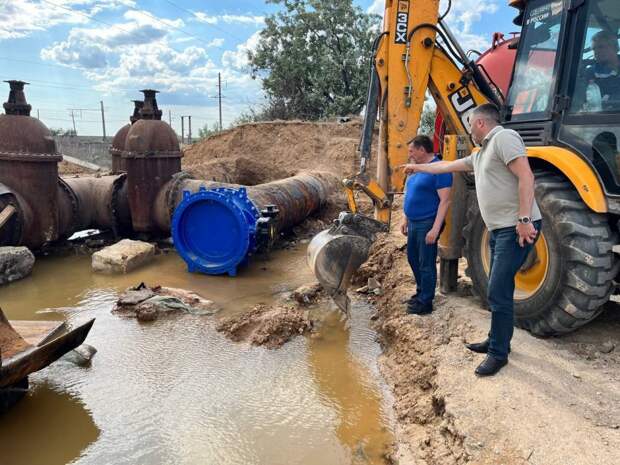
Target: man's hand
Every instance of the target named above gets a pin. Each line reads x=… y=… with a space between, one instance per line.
x=403 y=227
x=431 y=236
x=409 y=168
x=527 y=233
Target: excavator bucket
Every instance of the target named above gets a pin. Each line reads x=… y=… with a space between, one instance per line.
x=335 y=254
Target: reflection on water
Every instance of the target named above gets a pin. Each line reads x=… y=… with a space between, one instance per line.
x=177 y=392
x=56 y=425
x=341 y=361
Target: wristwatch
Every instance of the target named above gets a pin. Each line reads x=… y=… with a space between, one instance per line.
x=525 y=220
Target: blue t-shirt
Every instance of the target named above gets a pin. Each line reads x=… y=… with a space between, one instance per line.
x=421 y=198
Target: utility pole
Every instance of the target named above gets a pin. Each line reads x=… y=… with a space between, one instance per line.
x=170 y=117
x=73 y=119
x=189 y=119
x=182 y=130
x=219 y=88
x=38 y=115
x=102 y=119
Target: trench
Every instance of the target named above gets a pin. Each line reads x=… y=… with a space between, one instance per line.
x=177 y=392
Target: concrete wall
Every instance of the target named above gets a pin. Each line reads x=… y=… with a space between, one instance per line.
x=86 y=148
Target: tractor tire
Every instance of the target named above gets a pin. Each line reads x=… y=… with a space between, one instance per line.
x=576 y=275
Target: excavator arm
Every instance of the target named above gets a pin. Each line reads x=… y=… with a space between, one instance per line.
x=415 y=54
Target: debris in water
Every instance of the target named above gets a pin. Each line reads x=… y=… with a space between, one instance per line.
x=147 y=304
x=80 y=356
x=307 y=294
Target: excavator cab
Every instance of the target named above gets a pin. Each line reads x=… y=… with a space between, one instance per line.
x=564 y=101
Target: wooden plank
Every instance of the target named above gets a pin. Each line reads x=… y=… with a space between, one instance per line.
x=6 y=214
x=38 y=332
x=35 y=358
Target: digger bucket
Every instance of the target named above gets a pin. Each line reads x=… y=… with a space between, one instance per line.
x=334 y=255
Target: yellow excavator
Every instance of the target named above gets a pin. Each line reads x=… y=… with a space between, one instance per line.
x=563 y=99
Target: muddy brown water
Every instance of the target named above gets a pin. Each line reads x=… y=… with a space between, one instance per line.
x=177 y=392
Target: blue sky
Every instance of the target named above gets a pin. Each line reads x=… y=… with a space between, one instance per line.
x=76 y=53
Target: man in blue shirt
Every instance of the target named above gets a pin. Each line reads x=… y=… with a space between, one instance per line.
x=427 y=197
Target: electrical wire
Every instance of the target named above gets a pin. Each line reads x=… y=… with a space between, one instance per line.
x=208 y=24
x=146 y=13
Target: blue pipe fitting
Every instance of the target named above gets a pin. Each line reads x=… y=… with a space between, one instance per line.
x=214 y=230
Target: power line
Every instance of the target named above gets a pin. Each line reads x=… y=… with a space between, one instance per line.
x=208 y=24
x=176 y=28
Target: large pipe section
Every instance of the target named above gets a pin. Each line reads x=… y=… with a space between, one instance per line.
x=45 y=207
x=29 y=169
x=217 y=226
x=38 y=207
x=151 y=156
x=118 y=142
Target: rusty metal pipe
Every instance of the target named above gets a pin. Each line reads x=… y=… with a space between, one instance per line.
x=296 y=197
x=93 y=203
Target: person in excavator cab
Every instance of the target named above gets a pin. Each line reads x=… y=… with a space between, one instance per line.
x=603 y=76
x=427 y=198
x=505 y=192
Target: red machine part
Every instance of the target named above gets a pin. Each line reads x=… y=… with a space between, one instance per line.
x=498 y=62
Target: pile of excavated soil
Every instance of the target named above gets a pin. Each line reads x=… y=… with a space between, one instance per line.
x=268 y=326
x=67 y=169
x=272 y=326
x=278 y=149
x=556 y=402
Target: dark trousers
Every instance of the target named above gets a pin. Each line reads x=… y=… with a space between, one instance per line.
x=422 y=259
x=507 y=256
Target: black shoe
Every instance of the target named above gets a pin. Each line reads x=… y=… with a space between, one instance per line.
x=411 y=300
x=480 y=347
x=490 y=366
x=418 y=308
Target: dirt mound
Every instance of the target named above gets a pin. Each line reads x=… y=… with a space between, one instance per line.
x=67 y=169
x=240 y=170
x=282 y=148
x=266 y=326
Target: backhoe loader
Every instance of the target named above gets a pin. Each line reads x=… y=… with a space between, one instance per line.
x=563 y=99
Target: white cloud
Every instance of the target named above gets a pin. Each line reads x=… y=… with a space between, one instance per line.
x=229 y=19
x=377 y=7
x=218 y=42
x=93 y=47
x=463 y=16
x=24 y=17
x=238 y=59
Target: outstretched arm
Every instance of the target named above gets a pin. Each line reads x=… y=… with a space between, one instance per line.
x=439 y=167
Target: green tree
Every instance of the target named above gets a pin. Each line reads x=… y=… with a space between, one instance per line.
x=313 y=57
x=207 y=131
x=427 y=123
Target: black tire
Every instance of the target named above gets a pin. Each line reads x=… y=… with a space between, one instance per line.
x=582 y=265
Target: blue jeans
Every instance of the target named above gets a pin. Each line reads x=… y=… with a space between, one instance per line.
x=507 y=257
x=422 y=259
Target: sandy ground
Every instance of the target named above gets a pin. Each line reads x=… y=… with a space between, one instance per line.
x=557 y=401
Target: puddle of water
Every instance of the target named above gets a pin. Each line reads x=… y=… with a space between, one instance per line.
x=178 y=392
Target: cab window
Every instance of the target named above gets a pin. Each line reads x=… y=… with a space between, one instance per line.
x=534 y=79
x=597 y=85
